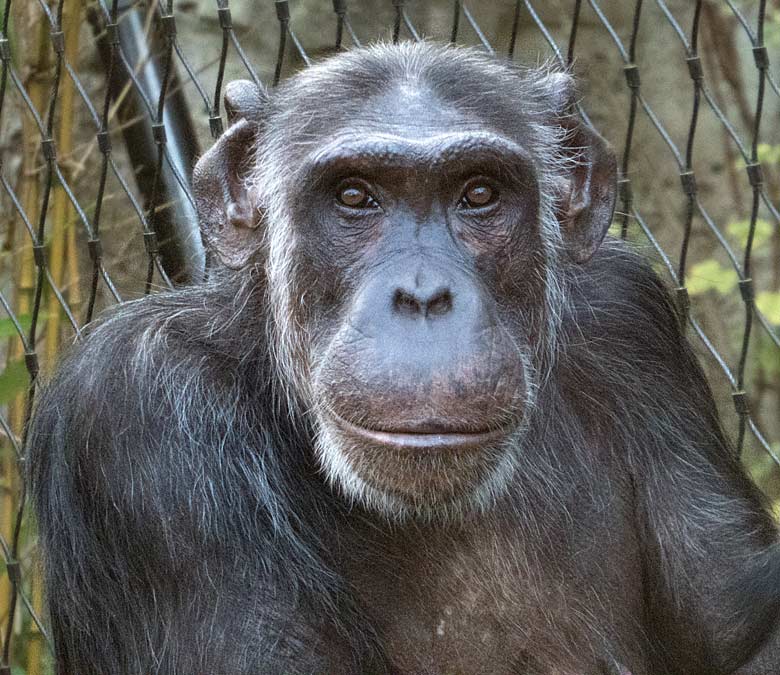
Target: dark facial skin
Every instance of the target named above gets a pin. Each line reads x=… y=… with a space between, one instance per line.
x=416 y=423
x=413 y=356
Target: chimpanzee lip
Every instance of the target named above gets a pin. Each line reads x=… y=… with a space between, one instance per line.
x=423 y=439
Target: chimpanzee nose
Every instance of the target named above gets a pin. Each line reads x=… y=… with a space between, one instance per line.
x=422 y=302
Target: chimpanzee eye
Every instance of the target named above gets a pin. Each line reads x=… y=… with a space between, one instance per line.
x=356 y=196
x=477 y=195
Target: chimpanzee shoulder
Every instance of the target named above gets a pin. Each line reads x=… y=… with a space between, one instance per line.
x=619 y=294
x=625 y=334
x=156 y=428
x=648 y=399
x=162 y=393
x=625 y=340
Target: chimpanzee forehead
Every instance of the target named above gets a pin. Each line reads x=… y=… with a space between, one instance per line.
x=410 y=90
x=409 y=107
x=410 y=125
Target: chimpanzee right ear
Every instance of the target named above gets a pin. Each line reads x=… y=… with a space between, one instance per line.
x=588 y=185
x=229 y=222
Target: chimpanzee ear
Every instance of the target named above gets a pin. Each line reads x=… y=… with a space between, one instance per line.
x=229 y=222
x=245 y=100
x=587 y=196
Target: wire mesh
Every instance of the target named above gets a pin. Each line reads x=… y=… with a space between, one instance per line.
x=47 y=297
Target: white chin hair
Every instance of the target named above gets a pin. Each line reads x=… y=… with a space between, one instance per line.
x=341 y=475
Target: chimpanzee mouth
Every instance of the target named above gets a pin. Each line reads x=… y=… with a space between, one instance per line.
x=423 y=436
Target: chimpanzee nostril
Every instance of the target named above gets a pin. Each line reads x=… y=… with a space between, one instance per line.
x=421 y=303
x=439 y=303
x=406 y=303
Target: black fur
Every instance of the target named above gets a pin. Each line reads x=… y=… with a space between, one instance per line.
x=185 y=527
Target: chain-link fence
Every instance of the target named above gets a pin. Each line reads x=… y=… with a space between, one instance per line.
x=105 y=105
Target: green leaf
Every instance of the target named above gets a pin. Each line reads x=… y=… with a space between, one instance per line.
x=768 y=154
x=13 y=380
x=710 y=275
x=768 y=303
x=614 y=229
x=772 y=29
x=739 y=229
x=8 y=329
x=767 y=356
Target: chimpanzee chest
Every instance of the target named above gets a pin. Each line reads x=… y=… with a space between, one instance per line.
x=485 y=602
x=483 y=629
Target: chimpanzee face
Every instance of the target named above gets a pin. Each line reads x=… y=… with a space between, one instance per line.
x=412 y=238
x=418 y=232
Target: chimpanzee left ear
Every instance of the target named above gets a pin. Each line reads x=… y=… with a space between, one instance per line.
x=587 y=197
x=229 y=222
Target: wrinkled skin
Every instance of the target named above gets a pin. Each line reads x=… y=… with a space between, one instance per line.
x=422 y=420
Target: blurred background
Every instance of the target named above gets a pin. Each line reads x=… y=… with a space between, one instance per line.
x=105 y=106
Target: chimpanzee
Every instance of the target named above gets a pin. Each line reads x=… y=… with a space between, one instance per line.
x=420 y=420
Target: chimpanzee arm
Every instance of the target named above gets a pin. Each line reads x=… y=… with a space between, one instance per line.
x=169 y=546
x=712 y=561
x=765 y=660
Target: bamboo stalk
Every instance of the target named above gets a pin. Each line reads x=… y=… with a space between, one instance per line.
x=62 y=248
x=36 y=77
x=63 y=253
x=73 y=285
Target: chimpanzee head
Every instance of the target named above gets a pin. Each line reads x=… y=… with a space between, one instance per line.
x=412 y=210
